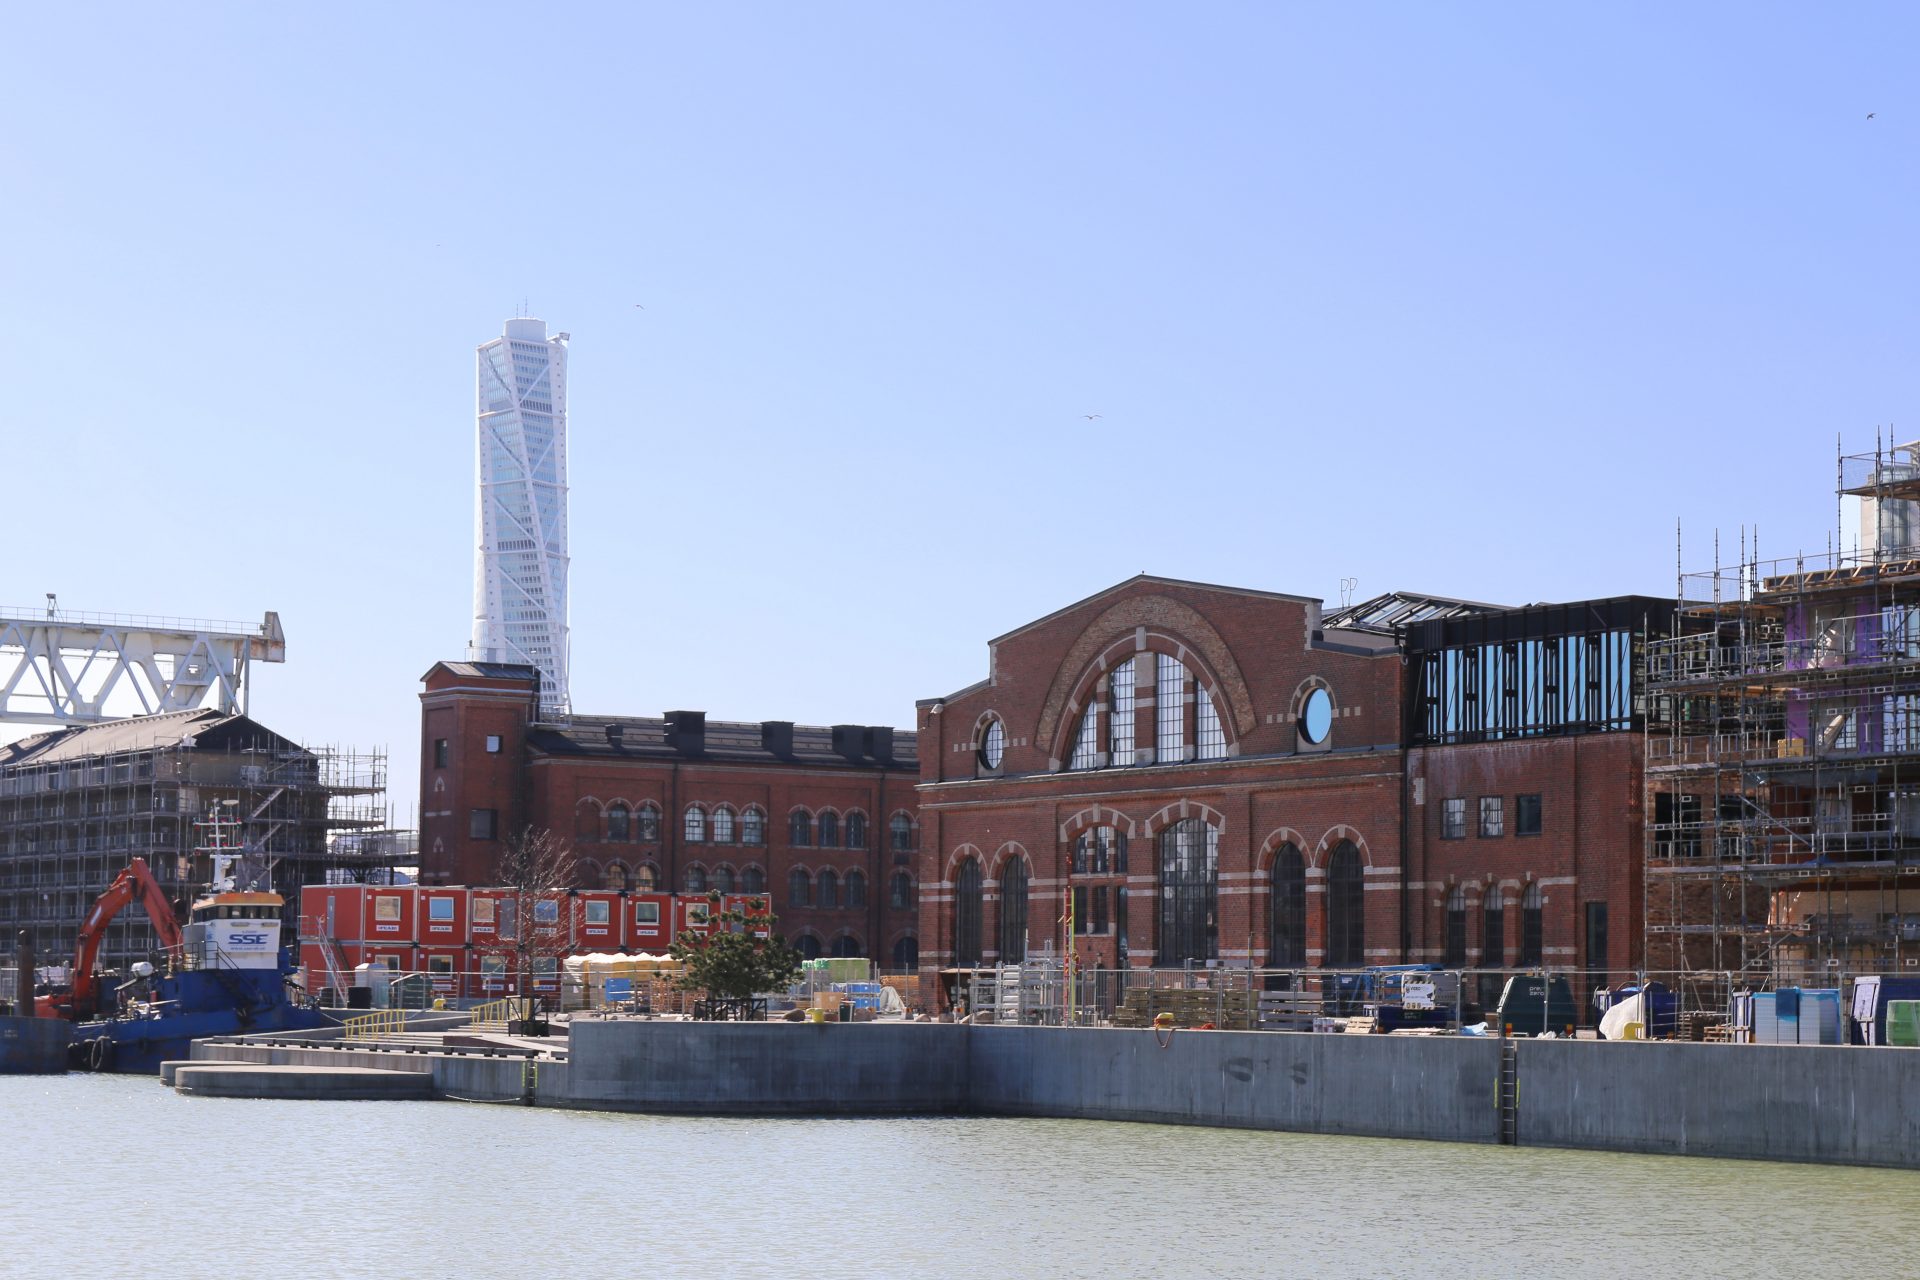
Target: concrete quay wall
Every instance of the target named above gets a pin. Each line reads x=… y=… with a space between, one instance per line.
x=1437 y=1087
x=1826 y=1104
x=747 y=1068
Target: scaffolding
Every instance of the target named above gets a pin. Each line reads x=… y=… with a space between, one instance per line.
x=71 y=817
x=1783 y=755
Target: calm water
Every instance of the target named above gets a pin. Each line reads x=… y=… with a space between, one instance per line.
x=119 y=1176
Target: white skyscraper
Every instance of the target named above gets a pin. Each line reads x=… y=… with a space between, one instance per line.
x=520 y=571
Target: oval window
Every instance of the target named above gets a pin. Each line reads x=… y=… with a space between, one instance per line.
x=1316 y=718
x=993 y=744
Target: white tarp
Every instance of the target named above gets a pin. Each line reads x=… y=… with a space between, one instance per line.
x=1614 y=1025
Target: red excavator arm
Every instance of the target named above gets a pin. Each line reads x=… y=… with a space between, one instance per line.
x=136 y=880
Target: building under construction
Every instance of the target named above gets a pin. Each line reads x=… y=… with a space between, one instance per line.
x=78 y=803
x=1783 y=757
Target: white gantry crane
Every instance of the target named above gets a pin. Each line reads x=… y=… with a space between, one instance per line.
x=60 y=667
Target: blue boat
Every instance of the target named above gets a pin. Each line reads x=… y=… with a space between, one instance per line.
x=229 y=972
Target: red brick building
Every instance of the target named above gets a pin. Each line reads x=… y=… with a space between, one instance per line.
x=1225 y=775
x=822 y=819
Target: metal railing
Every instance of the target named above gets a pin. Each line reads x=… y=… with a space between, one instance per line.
x=371 y=1026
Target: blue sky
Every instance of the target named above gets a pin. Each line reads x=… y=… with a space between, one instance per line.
x=1474 y=300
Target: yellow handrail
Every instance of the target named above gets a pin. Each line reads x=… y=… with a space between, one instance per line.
x=371 y=1026
x=501 y=1012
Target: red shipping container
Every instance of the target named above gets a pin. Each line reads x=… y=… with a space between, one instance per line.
x=390 y=914
x=650 y=920
x=598 y=918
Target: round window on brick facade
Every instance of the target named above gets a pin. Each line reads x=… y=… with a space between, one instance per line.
x=1316 y=717
x=993 y=744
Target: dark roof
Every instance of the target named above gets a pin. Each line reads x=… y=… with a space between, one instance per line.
x=1398 y=609
x=489 y=670
x=729 y=741
x=208 y=728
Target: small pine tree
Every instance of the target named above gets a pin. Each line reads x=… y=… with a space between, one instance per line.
x=739 y=957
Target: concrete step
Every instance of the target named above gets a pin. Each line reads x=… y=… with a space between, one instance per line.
x=248 y=1080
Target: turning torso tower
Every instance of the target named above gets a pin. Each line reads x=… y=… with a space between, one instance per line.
x=520 y=567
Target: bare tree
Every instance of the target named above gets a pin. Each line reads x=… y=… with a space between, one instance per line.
x=538 y=867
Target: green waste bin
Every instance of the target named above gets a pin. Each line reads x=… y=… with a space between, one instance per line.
x=1903 y=1023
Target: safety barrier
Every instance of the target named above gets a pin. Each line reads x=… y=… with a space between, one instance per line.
x=371 y=1026
x=494 y=1015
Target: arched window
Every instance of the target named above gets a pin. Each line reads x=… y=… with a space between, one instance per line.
x=1455 y=953
x=808 y=946
x=722 y=880
x=649 y=823
x=1209 y=736
x=618 y=818
x=900 y=833
x=799 y=828
x=1532 y=926
x=723 y=825
x=1287 y=944
x=1120 y=714
x=827 y=890
x=846 y=945
x=900 y=896
x=695 y=878
x=1100 y=851
x=647 y=878
x=856 y=830
x=1189 y=893
x=696 y=832
x=1013 y=911
x=1086 y=742
x=966 y=913
x=753 y=826
x=993 y=745
x=906 y=953
x=828 y=828
x=856 y=886
x=1346 y=908
x=799 y=888
x=616 y=877
x=1170 y=710
x=753 y=879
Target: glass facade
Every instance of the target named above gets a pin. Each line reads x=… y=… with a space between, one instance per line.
x=520 y=575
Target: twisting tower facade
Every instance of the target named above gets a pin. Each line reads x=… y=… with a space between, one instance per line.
x=520 y=568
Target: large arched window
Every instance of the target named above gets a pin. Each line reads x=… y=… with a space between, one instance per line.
x=649 y=823
x=1120 y=714
x=1287 y=940
x=722 y=881
x=1209 y=735
x=808 y=946
x=800 y=828
x=900 y=833
x=856 y=830
x=695 y=878
x=856 y=887
x=753 y=879
x=906 y=953
x=900 y=894
x=1170 y=709
x=1455 y=953
x=827 y=890
x=846 y=945
x=696 y=828
x=618 y=817
x=799 y=888
x=1532 y=926
x=1189 y=893
x=646 y=878
x=1346 y=908
x=1013 y=910
x=827 y=828
x=753 y=826
x=966 y=913
x=1100 y=851
x=723 y=825
x=616 y=876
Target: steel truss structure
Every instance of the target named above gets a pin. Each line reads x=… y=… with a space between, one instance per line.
x=59 y=667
